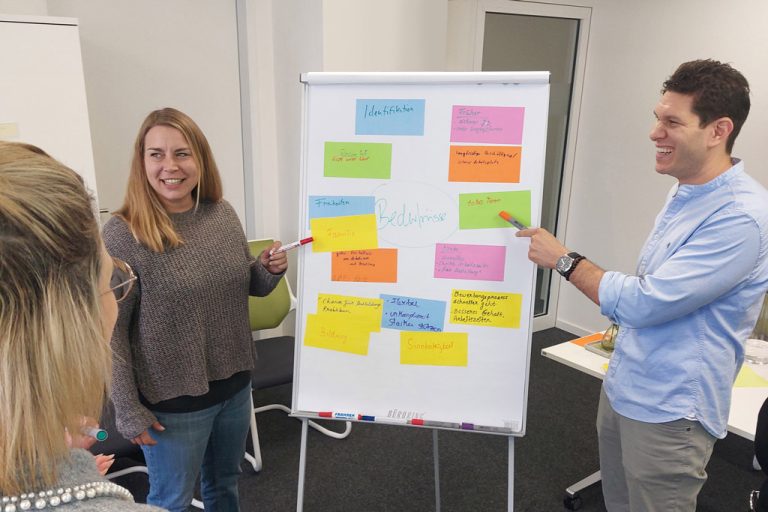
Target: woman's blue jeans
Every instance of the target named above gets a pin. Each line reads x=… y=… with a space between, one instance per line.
x=211 y=441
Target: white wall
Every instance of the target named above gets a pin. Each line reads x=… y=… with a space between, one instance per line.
x=142 y=55
x=633 y=48
x=391 y=35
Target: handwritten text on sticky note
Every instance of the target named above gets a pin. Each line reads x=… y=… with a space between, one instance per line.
x=488 y=164
x=477 y=262
x=333 y=332
x=412 y=313
x=491 y=125
x=357 y=160
x=489 y=309
x=389 y=117
x=434 y=348
x=340 y=206
x=344 y=233
x=366 y=266
x=481 y=210
x=366 y=310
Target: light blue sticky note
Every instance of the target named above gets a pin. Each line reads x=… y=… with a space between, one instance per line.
x=412 y=313
x=340 y=206
x=389 y=117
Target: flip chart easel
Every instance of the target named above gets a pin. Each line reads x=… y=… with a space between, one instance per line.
x=415 y=297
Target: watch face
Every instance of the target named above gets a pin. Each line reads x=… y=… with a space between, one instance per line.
x=563 y=264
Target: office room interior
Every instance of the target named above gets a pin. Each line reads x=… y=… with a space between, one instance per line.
x=234 y=67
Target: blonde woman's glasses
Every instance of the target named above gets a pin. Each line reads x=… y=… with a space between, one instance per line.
x=122 y=280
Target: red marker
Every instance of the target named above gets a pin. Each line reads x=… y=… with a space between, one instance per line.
x=288 y=247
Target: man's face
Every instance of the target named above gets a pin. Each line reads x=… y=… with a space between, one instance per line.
x=681 y=144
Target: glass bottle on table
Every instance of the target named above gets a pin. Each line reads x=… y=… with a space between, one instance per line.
x=756 y=350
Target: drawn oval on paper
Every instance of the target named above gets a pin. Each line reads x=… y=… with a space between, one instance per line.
x=414 y=214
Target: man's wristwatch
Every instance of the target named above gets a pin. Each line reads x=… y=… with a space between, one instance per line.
x=566 y=264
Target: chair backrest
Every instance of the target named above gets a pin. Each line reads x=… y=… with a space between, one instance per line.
x=269 y=311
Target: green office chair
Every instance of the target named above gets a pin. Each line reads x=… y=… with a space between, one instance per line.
x=274 y=365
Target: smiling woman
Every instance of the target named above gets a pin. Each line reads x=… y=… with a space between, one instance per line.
x=183 y=351
x=171 y=169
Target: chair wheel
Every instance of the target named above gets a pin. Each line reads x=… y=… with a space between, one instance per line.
x=572 y=502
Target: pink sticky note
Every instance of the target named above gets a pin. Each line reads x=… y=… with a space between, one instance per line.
x=475 y=262
x=492 y=125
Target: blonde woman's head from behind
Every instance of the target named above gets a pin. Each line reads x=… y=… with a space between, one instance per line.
x=55 y=317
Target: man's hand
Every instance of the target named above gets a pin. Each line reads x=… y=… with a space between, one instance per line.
x=544 y=249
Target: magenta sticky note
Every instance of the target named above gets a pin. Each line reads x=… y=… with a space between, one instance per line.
x=491 y=125
x=475 y=262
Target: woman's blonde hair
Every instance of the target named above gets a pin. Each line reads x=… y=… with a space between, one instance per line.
x=142 y=209
x=55 y=363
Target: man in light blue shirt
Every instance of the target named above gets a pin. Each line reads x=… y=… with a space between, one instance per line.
x=685 y=315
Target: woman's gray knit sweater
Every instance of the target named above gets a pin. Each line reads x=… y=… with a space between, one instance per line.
x=186 y=321
x=80 y=469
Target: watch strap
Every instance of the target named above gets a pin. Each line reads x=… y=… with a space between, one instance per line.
x=576 y=260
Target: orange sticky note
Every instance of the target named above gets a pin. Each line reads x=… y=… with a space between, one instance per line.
x=497 y=164
x=369 y=266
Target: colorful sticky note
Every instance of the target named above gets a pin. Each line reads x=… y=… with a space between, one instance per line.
x=481 y=210
x=389 y=117
x=488 y=309
x=369 y=266
x=477 y=262
x=344 y=233
x=748 y=378
x=412 y=313
x=434 y=348
x=334 y=332
x=365 y=310
x=340 y=206
x=494 y=164
x=357 y=160
x=489 y=125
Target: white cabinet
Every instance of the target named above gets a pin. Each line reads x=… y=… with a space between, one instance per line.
x=42 y=90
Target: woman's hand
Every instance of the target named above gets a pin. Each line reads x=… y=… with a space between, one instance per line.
x=79 y=439
x=104 y=462
x=274 y=262
x=144 y=439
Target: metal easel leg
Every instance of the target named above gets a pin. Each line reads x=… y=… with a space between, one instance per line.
x=437 y=469
x=511 y=475
x=302 y=465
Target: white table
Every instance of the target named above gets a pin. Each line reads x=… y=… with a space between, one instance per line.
x=745 y=401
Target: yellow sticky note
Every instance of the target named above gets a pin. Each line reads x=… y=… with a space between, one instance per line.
x=748 y=378
x=364 y=310
x=489 y=309
x=349 y=233
x=434 y=348
x=334 y=332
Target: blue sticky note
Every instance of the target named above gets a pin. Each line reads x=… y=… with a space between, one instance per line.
x=389 y=117
x=340 y=206
x=412 y=313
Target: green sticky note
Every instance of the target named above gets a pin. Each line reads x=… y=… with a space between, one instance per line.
x=481 y=210
x=358 y=160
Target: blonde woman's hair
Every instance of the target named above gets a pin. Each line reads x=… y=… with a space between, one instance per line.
x=142 y=209
x=55 y=364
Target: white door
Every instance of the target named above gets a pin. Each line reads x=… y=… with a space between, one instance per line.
x=528 y=36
